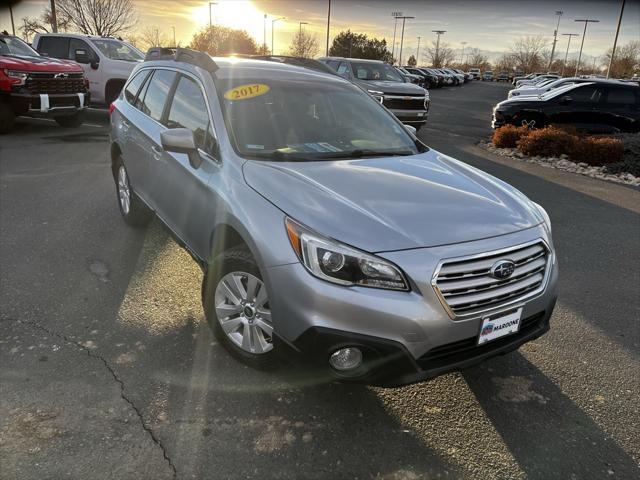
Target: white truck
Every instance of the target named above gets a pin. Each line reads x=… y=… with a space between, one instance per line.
x=107 y=62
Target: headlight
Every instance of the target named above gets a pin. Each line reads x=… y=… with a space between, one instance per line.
x=545 y=215
x=338 y=263
x=377 y=95
x=15 y=75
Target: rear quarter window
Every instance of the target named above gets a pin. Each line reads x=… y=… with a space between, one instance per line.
x=157 y=92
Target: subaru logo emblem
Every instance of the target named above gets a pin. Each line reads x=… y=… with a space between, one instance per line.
x=502 y=269
x=61 y=75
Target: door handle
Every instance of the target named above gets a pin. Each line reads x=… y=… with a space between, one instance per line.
x=125 y=125
x=157 y=152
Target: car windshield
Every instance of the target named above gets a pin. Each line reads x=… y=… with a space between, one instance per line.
x=117 y=50
x=375 y=71
x=311 y=120
x=15 y=46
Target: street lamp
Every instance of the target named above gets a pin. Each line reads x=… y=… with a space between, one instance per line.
x=210 y=16
x=586 y=22
x=402 y=38
x=417 y=51
x=395 y=15
x=174 y=35
x=462 y=54
x=302 y=23
x=328 y=25
x=273 y=52
x=567 y=52
x=437 y=59
x=264 y=34
x=555 y=37
x=615 y=41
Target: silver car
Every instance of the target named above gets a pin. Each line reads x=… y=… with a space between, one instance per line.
x=326 y=231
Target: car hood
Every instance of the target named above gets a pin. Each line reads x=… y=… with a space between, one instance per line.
x=393 y=203
x=389 y=87
x=38 y=64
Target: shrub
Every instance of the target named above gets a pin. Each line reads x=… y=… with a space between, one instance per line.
x=507 y=136
x=547 y=142
x=597 y=150
x=570 y=129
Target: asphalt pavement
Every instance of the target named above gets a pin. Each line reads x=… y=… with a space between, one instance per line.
x=108 y=370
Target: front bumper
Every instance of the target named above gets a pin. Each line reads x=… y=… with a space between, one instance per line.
x=399 y=332
x=49 y=105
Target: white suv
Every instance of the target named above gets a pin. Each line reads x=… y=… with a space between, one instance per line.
x=107 y=62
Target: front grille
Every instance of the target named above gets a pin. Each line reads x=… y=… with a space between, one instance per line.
x=466 y=287
x=38 y=83
x=468 y=348
x=404 y=103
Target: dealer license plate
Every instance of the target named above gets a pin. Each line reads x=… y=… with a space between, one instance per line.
x=497 y=326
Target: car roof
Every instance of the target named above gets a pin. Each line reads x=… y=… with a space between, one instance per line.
x=363 y=60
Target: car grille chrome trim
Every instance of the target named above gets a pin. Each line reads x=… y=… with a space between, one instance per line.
x=465 y=287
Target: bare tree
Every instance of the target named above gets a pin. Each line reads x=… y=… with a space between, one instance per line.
x=477 y=59
x=626 y=61
x=42 y=24
x=304 y=45
x=97 y=17
x=439 y=57
x=150 y=37
x=528 y=52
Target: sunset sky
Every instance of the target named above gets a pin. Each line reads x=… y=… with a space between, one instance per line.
x=488 y=25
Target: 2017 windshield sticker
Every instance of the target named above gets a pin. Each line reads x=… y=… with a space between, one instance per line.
x=242 y=92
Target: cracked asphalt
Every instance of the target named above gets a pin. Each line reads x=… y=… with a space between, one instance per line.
x=108 y=370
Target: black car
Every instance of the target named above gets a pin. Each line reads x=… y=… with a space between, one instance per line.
x=431 y=80
x=594 y=107
x=407 y=101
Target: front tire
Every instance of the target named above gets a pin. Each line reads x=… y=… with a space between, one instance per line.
x=7 y=117
x=133 y=210
x=71 y=121
x=236 y=305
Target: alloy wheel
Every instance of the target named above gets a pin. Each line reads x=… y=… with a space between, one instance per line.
x=242 y=308
x=124 y=194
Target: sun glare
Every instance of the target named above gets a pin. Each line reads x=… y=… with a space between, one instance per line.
x=240 y=14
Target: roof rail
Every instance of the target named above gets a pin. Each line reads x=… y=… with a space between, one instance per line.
x=186 y=55
x=309 y=63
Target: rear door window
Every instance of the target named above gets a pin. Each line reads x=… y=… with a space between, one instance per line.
x=133 y=87
x=156 y=94
x=586 y=94
x=621 y=96
x=55 y=47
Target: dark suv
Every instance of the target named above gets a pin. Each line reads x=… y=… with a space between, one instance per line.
x=408 y=102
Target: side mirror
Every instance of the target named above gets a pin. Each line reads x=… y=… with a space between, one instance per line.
x=411 y=129
x=180 y=140
x=566 y=100
x=82 y=56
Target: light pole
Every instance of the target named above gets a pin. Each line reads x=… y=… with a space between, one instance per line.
x=567 y=52
x=418 y=51
x=555 y=37
x=273 y=52
x=462 y=54
x=586 y=22
x=615 y=42
x=328 y=24
x=436 y=61
x=174 y=35
x=13 y=25
x=395 y=15
x=301 y=23
x=54 y=20
x=211 y=16
x=402 y=37
x=264 y=34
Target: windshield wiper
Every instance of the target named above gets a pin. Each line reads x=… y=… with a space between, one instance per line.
x=363 y=153
x=314 y=156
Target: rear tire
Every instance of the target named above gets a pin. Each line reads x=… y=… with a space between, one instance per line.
x=7 y=117
x=71 y=121
x=133 y=210
x=236 y=305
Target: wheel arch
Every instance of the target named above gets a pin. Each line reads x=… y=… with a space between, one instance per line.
x=112 y=89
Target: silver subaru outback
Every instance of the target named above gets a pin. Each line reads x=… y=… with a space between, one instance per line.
x=327 y=233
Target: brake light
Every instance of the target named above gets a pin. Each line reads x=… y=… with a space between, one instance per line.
x=112 y=107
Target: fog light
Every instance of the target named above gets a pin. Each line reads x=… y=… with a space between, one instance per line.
x=346 y=358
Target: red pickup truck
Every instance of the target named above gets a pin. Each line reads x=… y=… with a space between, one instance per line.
x=37 y=86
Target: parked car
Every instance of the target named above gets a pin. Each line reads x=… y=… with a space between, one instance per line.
x=517 y=77
x=430 y=80
x=36 y=86
x=503 y=77
x=326 y=231
x=534 y=90
x=458 y=77
x=411 y=77
x=439 y=75
x=107 y=62
x=475 y=73
x=487 y=76
x=592 y=106
x=410 y=103
x=536 y=80
x=466 y=76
